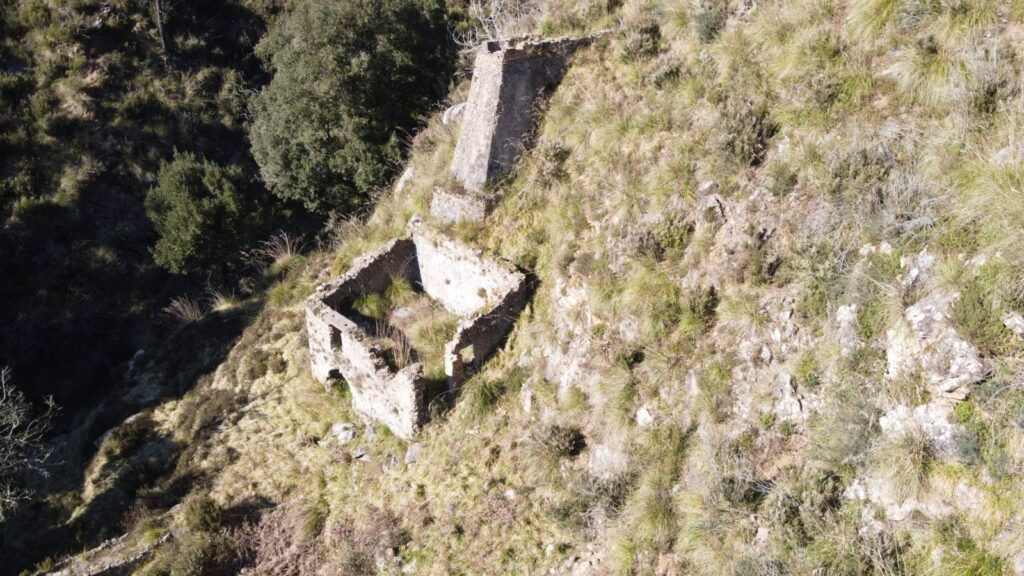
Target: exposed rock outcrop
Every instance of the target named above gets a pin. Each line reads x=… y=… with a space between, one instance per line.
x=950 y=364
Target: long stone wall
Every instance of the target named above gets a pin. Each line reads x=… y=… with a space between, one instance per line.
x=510 y=81
x=487 y=293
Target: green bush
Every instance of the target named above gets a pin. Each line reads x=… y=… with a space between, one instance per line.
x=746 y=129
x=710 y=19
x=666 y=240
x=563 y=441
x=642 y=40
x=202 y=213
x=195 y=554
x=201 y=514
x=351 y=80
x=699 y=312
x=962 y=555
x=977 y=314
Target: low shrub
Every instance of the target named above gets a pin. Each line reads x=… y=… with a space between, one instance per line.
x=710 y=19
x=255 y=364
x=977 y=314
x=563 y=441
x=666 y=240
x=962 y=555
x=746 y=127
x=201 y=514
x=642 y=39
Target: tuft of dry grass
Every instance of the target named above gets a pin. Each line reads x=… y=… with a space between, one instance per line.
x=185 y=309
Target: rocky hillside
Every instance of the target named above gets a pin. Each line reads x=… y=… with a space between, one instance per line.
x=776 y=327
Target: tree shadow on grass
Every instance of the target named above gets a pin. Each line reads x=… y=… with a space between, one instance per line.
x=134 y=465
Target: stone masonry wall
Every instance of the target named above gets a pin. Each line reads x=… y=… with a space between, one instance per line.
x=484 y=332
x=459 y=276
x=337 y=346
x=456 y=205
x=487 y=293
x=510 y=80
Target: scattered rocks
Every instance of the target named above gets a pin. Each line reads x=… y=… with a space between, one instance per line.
x=918 y=268
x=607 y=461
x=570 y=361
x=710 y=208
x=846 y=320
x=1014 y=322
x=412 y=453
x=949 y=363
x=707 y=188
x=404 y=179
x=103 y=437
x=644 y=417
x=526 y=399
x=940 y=502
x=343 y=432
x=931 y=421
x=583 y=564
x=402 y=317
x=453 y=113
x=869 y=249
x=790 y=405
x=134 y=361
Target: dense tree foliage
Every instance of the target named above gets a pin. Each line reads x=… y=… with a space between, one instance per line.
x=350 y=81
x=90 y=106
x=203 y=213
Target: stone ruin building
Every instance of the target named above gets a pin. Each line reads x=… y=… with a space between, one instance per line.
x=486 y=294
x=511 y=79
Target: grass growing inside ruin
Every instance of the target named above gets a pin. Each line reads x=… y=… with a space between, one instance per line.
x=409 y=326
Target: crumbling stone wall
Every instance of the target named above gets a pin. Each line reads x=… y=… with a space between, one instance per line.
x=453 y=205
x=510 y=80
x=458 y=276
x=486 y=293
x=339 y=347
x=483 y=333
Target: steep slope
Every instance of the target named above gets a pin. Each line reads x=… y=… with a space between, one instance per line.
x=778 y=283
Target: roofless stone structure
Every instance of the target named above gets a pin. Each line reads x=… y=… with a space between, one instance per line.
x=486 y=293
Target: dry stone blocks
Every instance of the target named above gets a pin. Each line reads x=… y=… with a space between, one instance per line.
x=510 y=79
x=486 y=293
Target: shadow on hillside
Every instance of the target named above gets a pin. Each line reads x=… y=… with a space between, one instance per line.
x=139 y=467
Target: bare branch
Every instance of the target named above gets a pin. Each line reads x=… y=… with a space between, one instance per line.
x=22 y=447
x=497 y=20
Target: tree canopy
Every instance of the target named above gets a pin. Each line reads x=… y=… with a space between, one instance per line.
x=202 y=212
x=351 y=79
